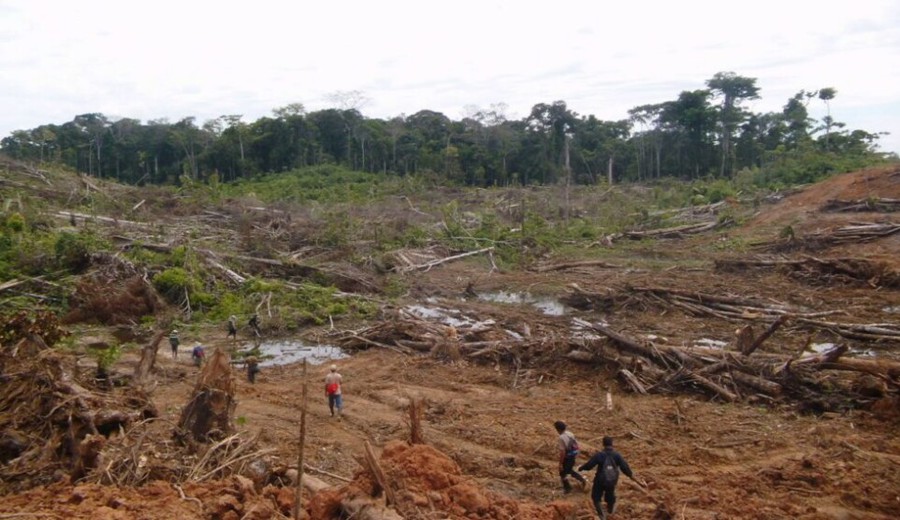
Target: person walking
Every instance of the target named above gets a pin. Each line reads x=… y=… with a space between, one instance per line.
x=568 y=450
x=608 y=463
x=333 y=391
x=252 y=368
x=197 y=354
x=174 y=342
x=254 y=324
x=232 y=327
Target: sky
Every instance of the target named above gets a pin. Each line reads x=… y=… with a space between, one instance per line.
x=173 y=59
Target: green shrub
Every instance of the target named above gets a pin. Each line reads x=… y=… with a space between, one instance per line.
x=72 y=252
x=15 y=223
x=174 y=282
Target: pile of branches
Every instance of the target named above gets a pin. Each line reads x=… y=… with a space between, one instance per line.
x=52 y=423
x=857 y=232
x=819 y=271
x=871 y=204
x=679 y=231
x=738 y=309
x=139 y=457
x=732 y=375
x=406 y=333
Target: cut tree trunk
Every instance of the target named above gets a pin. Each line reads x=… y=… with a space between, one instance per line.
x=208 y=413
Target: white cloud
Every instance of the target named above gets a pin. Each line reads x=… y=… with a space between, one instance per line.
x=201 y=58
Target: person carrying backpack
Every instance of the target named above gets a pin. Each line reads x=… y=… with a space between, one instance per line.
x=174 y=342
x=333 y=383
x=568 y=450
x=608 y=463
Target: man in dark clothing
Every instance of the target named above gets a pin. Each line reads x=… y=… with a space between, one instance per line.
x=174 y=342
x=608 y=463
x=232 y=327
x=254 y=324
x=568 y=450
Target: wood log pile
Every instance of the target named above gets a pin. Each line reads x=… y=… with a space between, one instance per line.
x=820 y=271
x=871 y=204
x=740 y=372
x=678 y=231
x=857 y=232
x=744 y=309
x=731 y=375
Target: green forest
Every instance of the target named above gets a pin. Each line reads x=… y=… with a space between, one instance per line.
x=703 y=133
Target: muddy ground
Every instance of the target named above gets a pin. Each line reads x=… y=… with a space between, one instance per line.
x=491 y=421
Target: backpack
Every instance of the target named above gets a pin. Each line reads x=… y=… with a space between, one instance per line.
x=609 y=470
x=574 y=449
x=331 y=388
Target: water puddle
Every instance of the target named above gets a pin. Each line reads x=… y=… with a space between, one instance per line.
x=452 y=317
x=819 y=348
x=285 y=352
x=548 y=306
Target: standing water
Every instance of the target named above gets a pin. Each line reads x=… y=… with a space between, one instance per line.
x=287 y=351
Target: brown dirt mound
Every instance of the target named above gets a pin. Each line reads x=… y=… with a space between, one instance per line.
x=426 y=480
x=804 y=207
x=804 y=215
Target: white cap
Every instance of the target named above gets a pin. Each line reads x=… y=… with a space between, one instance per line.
x=334 y=368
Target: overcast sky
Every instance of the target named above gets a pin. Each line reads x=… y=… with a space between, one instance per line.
x=173 y=59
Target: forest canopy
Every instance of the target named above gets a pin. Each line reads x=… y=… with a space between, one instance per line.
x=708 y=132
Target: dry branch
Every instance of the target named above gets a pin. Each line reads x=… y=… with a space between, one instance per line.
x=572 y=265
x=428 y=265
x=677 y=231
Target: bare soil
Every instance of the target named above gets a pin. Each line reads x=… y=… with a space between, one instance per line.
x=489 y=448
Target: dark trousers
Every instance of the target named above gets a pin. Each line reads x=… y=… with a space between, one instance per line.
x=569 y=469
x=601 y=491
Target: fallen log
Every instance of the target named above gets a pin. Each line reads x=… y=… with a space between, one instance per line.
x=572 y=265
x=714 y=387
x=855 y=269
x=872 y=204
x=674 y=232
x=662 y=354
x=829 y=356
x=428 y=265
x=632 y=381
x=758 y=383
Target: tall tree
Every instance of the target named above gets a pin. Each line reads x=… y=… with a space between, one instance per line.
x=827 y=94
x=554 y=122
x=733 y=90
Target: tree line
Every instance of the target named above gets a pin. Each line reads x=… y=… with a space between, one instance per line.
x=701 y=133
